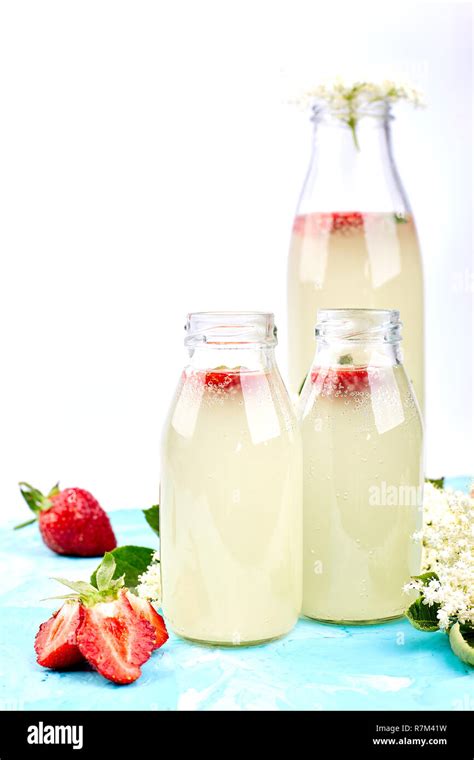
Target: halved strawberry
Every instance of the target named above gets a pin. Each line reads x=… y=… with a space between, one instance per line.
x=115 y=639
x=341 y=381
x=145 y=609
x=56 y=641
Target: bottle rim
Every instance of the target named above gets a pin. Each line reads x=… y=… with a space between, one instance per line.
x=359 y=325
x=322 y=112
x=230 y=329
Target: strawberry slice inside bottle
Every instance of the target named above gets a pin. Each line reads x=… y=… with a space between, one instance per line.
x=328 y=222
x=222 y=379
x=342 y=380
x=347 y=220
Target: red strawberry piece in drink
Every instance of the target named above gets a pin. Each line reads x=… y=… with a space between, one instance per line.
x=56 y=641
x=324 y=223
x=342 y=381
x=115 y=639
x=347 y=220
x=71 y=521
x=299 y=224
x=147 y=611
x=222 y=379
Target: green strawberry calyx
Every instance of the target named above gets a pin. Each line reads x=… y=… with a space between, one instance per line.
x=106 y=589
x=36 y=501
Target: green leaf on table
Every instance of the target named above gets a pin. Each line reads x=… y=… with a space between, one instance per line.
x=461 y=638
x=130 y=562
x=436 y=482
x=152 y=516
x=422 y=616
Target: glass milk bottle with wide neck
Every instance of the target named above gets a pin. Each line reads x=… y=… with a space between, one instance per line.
x=231 y=488
x=354 y=242
x=363 y=470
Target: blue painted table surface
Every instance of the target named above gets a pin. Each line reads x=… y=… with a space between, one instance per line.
x=319 y=667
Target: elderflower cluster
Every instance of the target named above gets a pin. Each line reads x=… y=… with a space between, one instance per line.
x=344 y=96
x=448 y=546
x=149 y=586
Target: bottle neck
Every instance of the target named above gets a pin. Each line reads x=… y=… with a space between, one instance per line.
x=347 y=354
x=253 y=359
x=352 y=168
x=358 y=338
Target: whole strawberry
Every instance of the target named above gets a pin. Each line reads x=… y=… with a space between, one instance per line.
x=70 y=521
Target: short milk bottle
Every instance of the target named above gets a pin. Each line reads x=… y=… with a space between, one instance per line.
x=231 y=487
x=363 y=470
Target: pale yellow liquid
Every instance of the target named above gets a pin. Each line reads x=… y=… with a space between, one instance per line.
x=358 y=551
x=231 y=511
x=373 y=265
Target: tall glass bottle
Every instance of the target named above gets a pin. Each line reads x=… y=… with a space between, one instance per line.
x=363 y=470
x=354 y=242
x=231 y=487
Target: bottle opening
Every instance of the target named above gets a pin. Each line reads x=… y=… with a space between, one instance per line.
x=347 y=113
x=359 y=325
x=230 y=329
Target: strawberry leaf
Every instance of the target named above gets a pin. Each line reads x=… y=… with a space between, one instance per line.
x=33 y=497
x=54 y=490
x=105 y=571
x=91 y=595
x=36 y=501
x=24 y=524
x=152 y=516
x=130 y=562
x=80 y=587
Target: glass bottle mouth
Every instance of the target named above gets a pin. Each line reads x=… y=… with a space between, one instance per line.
x=345 y=113
x=230 y=329
x=359 y=325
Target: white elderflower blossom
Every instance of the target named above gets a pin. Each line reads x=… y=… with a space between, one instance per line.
x=350 y=99
x=149 y=586
x=448 y=544
x=342 y=94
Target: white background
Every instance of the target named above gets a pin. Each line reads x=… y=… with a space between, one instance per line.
x=149 y=166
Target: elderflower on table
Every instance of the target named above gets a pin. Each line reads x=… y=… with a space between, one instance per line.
x=149 y=586
x=448 y=542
